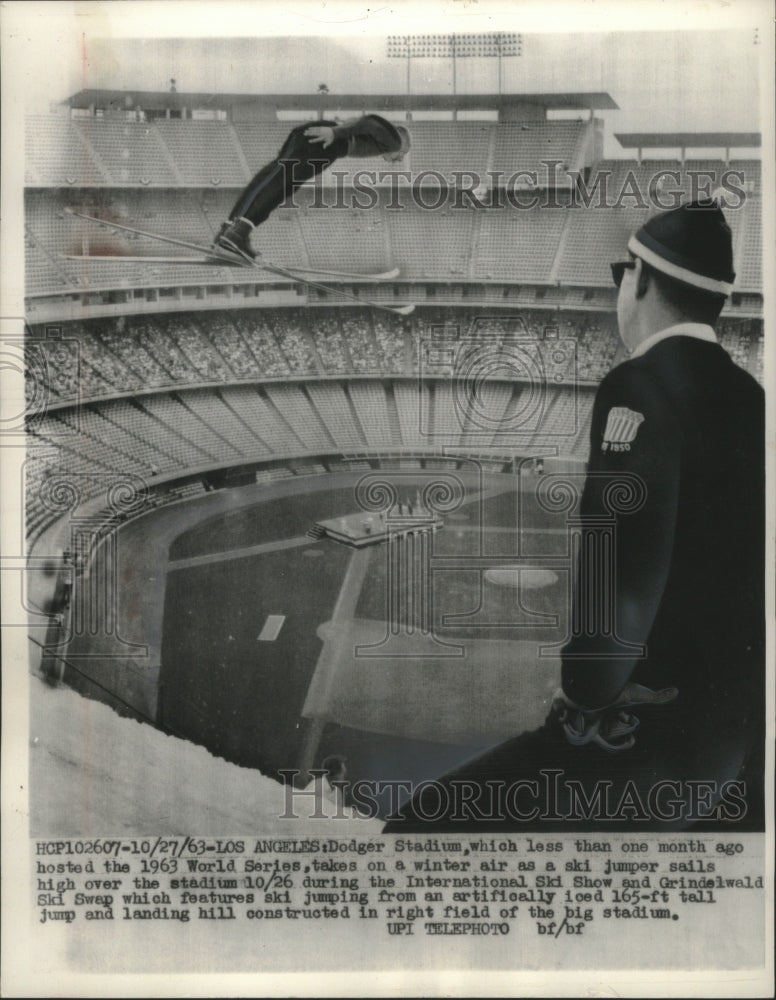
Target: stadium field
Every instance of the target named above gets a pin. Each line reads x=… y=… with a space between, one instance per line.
x=277 y=648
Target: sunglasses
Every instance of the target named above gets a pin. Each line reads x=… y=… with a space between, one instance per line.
x=619 y=268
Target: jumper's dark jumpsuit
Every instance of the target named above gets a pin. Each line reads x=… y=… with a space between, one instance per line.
x=300 y=160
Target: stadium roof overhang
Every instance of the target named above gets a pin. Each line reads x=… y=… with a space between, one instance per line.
x=684 y=140
x=164 y=99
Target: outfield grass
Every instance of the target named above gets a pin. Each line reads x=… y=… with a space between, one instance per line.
x=243 y=698
x=222 y=687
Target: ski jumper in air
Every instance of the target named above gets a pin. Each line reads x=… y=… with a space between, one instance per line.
x=309 y=149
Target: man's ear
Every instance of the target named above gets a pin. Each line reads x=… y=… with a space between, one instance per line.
x=642 y=279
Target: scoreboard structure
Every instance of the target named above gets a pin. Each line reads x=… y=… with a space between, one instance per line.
x=361 y=528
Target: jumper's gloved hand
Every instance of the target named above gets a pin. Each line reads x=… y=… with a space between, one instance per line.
x=610 y=727
x=320 y=133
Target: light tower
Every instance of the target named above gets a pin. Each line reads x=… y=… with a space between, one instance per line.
x=485 y=45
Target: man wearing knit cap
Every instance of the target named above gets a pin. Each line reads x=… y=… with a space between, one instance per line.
x=308 y=150
x=661 y=705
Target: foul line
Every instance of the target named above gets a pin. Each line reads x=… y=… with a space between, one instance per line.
x=251 y=550
x=324 y=675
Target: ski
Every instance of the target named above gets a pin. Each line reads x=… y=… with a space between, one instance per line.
x=148 y=259
x=217 y=256
x=210 y=262
x=352 y=275
x=213 y=252
x=300 y=278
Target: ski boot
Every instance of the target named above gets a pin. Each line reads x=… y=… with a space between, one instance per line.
x=235 y=238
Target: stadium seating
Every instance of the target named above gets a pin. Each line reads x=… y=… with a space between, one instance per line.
x=352 y=238
x=752 y=179
x=263 y=419
x=750 y=247
x=103 y=373
x=56 y=154
x=130 y=152
x=134 y=355
x=391 y=343
x=294 y=407
x=445 y=420
x=158 y=338
x=484 y=415
x=708 y=177
x=80 y=434
x=120 y=151
x=584 y=416
x=330 y=345
x=205 y=153
x=596 y=346
x=432 y=244
x=560 y=419
x=331 y=403
x=362 y=346
x=154 y=437
x=126 y=163
x=174 y=213
x=44 y=270
x=413 y=408
x=178 y=423
x=527 y=146
x=735 y=338
x=296 y=347
x=158 y=434
x=121 y=356
x=593 y=239
x=261 y=343
x=519 y=245
x=121 y=425
x=451 y=147
x=449 y=244
x=273 y=474
x=231 y=346
x=175 y=391
x=203 y=356
x=217 y=416
x=371 y=410
x=260 y=141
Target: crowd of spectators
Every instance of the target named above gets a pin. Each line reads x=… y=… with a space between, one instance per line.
x=158 y=338
x=131 y=351
x=259 y=338
x=738 y=339
x=231 y=344
x=291 y=336
x=359 y=337
x=114 y=356
x=597 y=342
x=330 y=345
x=130 y=356
x=201 y=350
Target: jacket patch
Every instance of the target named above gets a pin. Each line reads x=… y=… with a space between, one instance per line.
x=622 y=425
